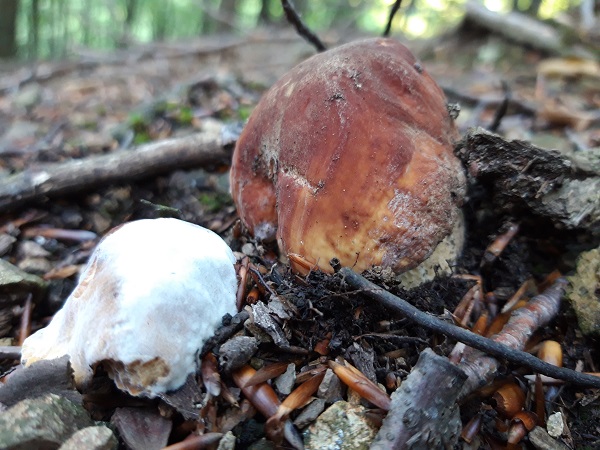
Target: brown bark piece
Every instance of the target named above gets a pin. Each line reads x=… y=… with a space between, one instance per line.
x=567 y=191
x=424 y=413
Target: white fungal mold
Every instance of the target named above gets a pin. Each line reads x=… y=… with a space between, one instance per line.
x=151 y=294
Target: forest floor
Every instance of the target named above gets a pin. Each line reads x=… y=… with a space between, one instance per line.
x=99 y=103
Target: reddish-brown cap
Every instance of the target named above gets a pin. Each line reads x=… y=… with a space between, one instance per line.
x=350 y=155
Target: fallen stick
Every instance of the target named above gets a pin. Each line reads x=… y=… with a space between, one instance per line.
x=202 y=149
x=486 y=345
x=526 y=30
x=424 y=413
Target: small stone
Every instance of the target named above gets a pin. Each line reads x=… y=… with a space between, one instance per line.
x=227 y=442
x=13 y=279
x=331 y=388
x=92 y=438
x=263 y=320
x=341 y=427
x=310 y=413
x=41 y=423
x=142 y=429
x=6 y=242
x=38 y=266
x=583 y=292
x=249 y=249
x=31 y=249
x=285 y=382
x=236 y=352
x=555 y=424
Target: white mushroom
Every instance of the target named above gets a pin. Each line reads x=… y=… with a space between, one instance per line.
x=152 y=292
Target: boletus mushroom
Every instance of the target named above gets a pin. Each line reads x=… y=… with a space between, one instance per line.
x=350 y=155
x=151 y=294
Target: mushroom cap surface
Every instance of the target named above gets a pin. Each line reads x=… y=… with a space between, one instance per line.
x=350 y=155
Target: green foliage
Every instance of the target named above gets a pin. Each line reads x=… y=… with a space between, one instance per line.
x=141 y=138
x=51 y=28
x=214 y=201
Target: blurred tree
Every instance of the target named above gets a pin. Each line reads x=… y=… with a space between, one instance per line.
x=270 y=11
x=8 y=28
x=530 y=7
x=131 y=13
x=33 y=37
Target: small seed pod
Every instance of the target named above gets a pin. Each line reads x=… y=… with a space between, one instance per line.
x=509 y=400
x=522 y=423
x=472 y=428
x=551 y=352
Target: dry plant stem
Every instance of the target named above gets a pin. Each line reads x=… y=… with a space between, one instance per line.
x=293 y=17
x=25 y=329
x=197 y=150
x=501 y=110
x=496 y=248
x=523 y=322
x=500 y=348
x=393 y=11
x=259 y=280
x=195 y=442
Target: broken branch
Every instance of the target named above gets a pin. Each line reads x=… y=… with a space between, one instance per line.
x=486 y=345
x=293 y=17
x=200 y=149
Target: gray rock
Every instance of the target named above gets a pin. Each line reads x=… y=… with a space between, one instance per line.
x=92 y=438
x=310 y=413
x=583 y=292
x=331 y=389
x=12 y=279
x=38 y=266
x=227 y=442
x=285 y=382
x=41 y=423
x=31 y=249
x=6 y=242
x=142 y=428
x=341 y=427
x=236 y=352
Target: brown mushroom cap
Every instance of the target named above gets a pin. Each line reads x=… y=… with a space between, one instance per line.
x=350 y=155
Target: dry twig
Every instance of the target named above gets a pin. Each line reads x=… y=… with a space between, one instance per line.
x=394 y=9
x=497 y=348
x=294 y=18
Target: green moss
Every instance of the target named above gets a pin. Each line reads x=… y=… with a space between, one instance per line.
x=214 y=201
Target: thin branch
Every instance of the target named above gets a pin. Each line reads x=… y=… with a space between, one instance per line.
x=293 y=17
x=501 y=111
x=393 y=11
x=486 y=345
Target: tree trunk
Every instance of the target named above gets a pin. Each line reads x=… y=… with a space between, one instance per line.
x=34 y=27
x=8 y=28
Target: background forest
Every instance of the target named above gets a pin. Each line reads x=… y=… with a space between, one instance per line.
x=42 y=29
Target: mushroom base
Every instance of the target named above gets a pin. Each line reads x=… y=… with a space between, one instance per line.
x=441 y=261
